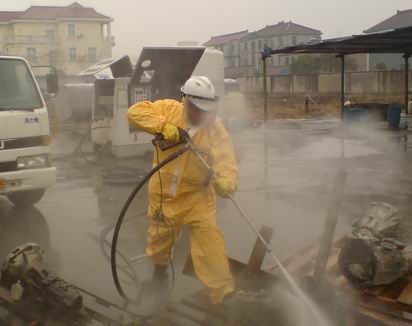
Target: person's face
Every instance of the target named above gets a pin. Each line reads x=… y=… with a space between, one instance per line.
x=197 y=117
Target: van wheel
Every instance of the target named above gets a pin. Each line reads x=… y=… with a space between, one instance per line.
x=26 y=198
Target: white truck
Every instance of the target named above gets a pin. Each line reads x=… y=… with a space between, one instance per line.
x=25 y=141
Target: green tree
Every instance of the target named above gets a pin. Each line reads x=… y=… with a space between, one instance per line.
x=313 y=64
x=306 y=64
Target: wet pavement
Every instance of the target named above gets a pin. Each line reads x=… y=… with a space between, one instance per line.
x=286 y=175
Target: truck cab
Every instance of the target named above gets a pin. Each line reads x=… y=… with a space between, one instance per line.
x=25 y=141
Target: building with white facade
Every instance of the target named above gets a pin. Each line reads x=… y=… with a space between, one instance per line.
x=242 y=49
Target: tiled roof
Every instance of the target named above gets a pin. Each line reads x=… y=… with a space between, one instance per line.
x=400 y=20
x=75 y=10
x=223 y=39
x=78 y=11
x=6 y=16
x=282 y=28
x=41 y=12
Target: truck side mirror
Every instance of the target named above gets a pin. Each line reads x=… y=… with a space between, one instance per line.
x=52 y=81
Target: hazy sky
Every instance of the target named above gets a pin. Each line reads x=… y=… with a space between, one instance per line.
x=164 y=22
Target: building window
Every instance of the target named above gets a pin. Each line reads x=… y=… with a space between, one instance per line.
x=50 y=34
x=246 y=46
x=287 y=61
x=294 y=40
x=92 y=55
x=260 y=45
x=280 y=42
x=32 y=55
x=54 y=57
x=253 y=53
x=72 y=30
x=72 y=54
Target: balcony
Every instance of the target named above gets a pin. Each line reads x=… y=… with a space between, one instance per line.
x=31 y=39
x=110 y=40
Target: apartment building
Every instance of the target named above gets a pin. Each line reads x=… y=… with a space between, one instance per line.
x=242 y=49
x=229 y=45
x=70 y=38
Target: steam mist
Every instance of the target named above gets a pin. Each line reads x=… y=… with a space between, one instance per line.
x=287 y=171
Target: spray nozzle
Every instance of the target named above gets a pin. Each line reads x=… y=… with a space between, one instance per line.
x=164 y=145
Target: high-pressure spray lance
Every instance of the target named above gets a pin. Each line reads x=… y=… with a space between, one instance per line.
x=186 y=145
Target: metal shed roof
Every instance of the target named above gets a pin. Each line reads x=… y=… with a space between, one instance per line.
x=391 y=41
x=403 y=18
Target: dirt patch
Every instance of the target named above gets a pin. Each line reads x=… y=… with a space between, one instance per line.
x=298 y=106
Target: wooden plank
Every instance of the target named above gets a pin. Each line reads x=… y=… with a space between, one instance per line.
x=305 y=265
x=333 y=260
x=240 y=271
x=194 y=303
x=406 y=295
x=259 y=250
x=381 y=317
x=291 y=258
x=185 y=315
x=394 y=290
x=306 y=253
x=342 y=284
x=373 y=297
x=305 y=262
x=306 y=269
x=370 y=299
x=375 y=291
x=326 y=240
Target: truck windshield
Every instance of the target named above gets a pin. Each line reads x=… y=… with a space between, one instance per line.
x=18 y=90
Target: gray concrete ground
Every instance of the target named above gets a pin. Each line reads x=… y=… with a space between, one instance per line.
x=286 y=174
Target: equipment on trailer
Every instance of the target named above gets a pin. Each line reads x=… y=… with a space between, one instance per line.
x=368 y=258
x=159 y=74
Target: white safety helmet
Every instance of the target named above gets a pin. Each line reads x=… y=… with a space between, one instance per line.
x=200 y=91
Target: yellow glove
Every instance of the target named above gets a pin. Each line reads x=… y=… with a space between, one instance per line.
x=171 y=133
x=224 y=188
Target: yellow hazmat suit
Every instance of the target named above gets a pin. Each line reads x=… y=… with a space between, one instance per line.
x=187 y=196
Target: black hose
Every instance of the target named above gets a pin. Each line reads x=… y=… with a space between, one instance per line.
x=122 y=215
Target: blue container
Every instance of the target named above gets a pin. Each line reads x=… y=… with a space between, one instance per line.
x=394 y=116
x=355 y=114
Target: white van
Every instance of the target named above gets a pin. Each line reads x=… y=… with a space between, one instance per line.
x=25 y=142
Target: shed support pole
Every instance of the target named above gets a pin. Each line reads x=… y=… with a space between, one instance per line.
x=265 y=90
x=406 y=57
x=342 y=90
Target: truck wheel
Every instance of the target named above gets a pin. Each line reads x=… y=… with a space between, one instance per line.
x=26 y=198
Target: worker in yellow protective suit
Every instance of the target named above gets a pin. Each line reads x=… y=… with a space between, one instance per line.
x=182 y=193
